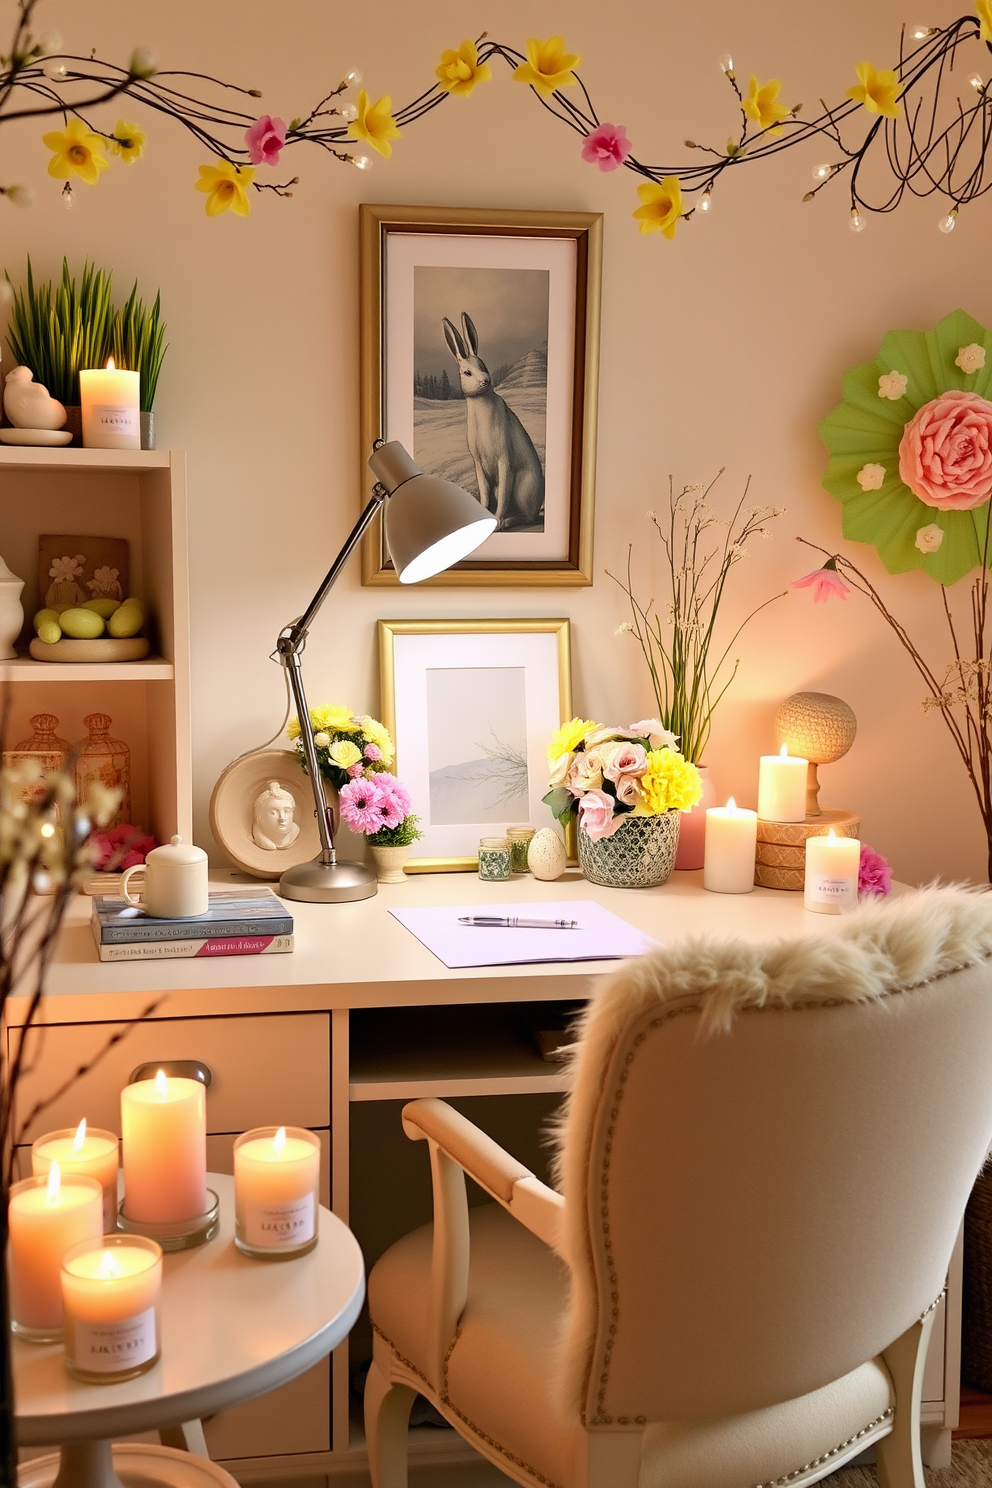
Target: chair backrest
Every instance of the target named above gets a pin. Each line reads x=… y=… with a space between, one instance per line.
x=767 y=1155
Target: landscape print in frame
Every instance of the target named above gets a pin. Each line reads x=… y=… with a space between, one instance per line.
x=471 y=705
x=480 y=348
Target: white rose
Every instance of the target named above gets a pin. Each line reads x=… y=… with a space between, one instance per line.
x=560 y=769
x=929 y=539
x=970 y=358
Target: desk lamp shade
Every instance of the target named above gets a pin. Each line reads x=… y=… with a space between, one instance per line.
x=429 y=522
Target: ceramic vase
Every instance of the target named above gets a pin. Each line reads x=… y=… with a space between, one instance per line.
x=388 y=863
x=692 y=837
x=146 y=422
x=99 y=758
x=11 y=613
x=639 y=855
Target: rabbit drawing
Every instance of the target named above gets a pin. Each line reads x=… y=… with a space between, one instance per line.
x=507 y=466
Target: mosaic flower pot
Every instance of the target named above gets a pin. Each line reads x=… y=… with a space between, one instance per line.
x=388 y=863
x=639 y=855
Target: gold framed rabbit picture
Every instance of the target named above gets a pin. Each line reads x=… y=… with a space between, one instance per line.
x=480 y=352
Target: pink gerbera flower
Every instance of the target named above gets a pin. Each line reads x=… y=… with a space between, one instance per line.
x=607 y=146
x=825 y=582
x=362 y=806
x=394 y=797
x=265 y=140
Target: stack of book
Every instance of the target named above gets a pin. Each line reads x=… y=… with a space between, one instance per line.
x=252 y=923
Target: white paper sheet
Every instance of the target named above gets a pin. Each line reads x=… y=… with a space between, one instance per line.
x=600 y=936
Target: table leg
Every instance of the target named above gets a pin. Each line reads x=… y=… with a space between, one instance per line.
x=185 y=1438
x=88 y=1464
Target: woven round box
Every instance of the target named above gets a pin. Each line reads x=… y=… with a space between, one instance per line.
x=780 y=856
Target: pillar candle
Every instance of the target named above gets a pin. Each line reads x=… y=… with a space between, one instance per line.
x=164 y=1126
x=832 y=865
x=85 y=1150
x=731 y=840
x=111 y=1289
x=110 y=404
x=275 y=1189
x=46 y=1216
x=782 y=787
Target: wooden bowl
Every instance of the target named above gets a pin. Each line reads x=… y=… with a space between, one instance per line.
x=105 y=648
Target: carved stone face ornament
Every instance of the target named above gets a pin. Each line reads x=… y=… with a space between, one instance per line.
x=274 y=826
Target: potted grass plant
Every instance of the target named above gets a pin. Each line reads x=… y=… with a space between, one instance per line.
x=137 y=342
x=57 y=330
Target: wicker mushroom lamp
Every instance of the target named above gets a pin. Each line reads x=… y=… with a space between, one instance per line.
x=821 y=729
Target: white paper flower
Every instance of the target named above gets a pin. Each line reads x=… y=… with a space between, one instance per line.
x=892 y=385
x=929 y=539
x=870 y=477
x=970 y=358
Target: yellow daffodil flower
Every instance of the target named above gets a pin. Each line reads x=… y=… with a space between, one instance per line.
x=458 y=72
x=662 y=206
x=761 y=104
x=128 y=142
x=375 y=124
x=226 y=186
x=76 y=151
x=984 y=9
x=877 y=90
x=548 y=66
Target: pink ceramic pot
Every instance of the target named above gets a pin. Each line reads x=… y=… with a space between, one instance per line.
x=692 y=836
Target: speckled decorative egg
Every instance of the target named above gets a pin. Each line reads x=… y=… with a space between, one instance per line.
x=546 y=857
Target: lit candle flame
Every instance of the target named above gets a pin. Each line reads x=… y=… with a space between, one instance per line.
x=161 y=1085
x=111 y=365
x=80 y=1137
x=731 y=804
x=784 y=752
x=54 y=1182
x=108 y=1266
x=279 y=1140
x=832 y=835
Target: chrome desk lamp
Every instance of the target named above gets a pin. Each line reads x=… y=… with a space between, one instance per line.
x=429 y=525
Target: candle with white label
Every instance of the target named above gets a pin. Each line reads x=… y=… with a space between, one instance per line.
x=83 y=1150
x=782 y=787
x=111 y=1288
x=832 y=867
x=110 y=400
x=164 y=1126
x=46 y=1216
x=731 y=840
x=276 y=1174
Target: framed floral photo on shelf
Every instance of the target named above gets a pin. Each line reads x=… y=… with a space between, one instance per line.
x=471 y=705
x=480 y=352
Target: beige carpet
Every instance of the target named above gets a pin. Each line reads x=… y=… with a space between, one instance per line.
x=971 y=1467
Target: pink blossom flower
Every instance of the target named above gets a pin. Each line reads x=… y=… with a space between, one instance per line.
x=945 y=454
x=355 y=770
x=596 y=815
x=874 y=873
x=607 y=147
x=362 y=806
x=629 y=759
x=655 y=732
x=265 y=140
x=826 y=582
x=628 y=789
x=372 y=752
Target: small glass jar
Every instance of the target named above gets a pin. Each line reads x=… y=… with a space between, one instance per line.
x=519 y=838
x=494 y=858
x=45 y=1218
x=276 y=1180
x=111 y=1298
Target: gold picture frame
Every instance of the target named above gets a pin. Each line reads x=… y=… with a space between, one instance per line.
x=511 y=255
x=425 y=679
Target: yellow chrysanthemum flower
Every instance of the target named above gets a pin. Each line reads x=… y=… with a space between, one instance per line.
x=984 y=9
x=548 y=66
x=226 y=186
x=375 y=124
x=128 y=142
x=762 y=106
x=76 y=151
x=458 y=72
x=376 y=733
x=877 y=90
x=564 y=739
x=669 y=783
x=662 y=206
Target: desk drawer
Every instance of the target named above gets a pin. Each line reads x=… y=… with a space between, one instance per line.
x=267 y=1070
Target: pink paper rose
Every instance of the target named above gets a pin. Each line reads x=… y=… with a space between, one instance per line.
x=607 y=146
x=629 y=759
x=628 y=789
x=945 y=454
x=596 y=816
x=583 y=774
x=265 y=140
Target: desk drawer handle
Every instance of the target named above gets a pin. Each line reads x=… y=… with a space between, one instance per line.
x=187 y=1069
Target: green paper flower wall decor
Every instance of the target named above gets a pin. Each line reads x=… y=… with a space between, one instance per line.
x=911 y=449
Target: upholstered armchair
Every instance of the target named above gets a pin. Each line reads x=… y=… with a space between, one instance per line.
x=762 y=1168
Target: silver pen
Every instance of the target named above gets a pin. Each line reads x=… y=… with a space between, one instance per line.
x=517 y=922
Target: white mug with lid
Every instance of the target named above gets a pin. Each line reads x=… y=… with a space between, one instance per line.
x=175 y=885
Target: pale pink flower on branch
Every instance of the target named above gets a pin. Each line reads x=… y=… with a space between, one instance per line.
x=826 y=583
x=607 y=146
x=265 y=140
x=596 y=815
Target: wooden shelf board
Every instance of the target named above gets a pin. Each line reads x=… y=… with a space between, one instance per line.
x=124 y=462
x=26 y=669
x=417 y=1089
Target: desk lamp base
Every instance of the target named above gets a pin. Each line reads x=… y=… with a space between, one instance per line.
x=318 y=882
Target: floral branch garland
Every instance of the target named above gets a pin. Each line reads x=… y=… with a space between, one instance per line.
x=924 y=155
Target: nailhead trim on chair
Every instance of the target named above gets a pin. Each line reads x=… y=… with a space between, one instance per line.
x=819 y=1461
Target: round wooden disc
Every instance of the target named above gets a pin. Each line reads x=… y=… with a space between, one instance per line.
x=232 y=811
x=104 y=648
x=794 y=834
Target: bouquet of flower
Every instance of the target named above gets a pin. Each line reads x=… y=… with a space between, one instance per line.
x=602 y=774
x=348 y=748
x=379 y=808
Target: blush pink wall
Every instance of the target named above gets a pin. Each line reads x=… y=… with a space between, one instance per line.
x=723 y=348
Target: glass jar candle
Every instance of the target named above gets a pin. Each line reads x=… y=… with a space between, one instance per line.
x=276 y=1177
x=111 y=1295
x=519 y=839
x=494 y=858
x=46 y=1216
x=82 y=1149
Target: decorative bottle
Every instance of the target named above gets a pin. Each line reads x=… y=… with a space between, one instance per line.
x=106 y=761
x=11 y=613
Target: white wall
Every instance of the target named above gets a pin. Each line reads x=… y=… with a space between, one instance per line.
x=723 y=348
